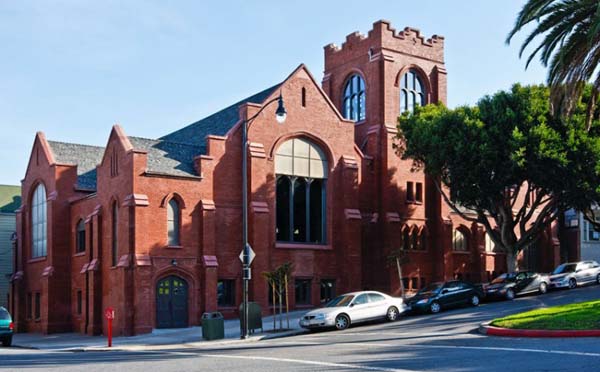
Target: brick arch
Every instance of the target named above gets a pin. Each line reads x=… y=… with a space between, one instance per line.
x=422 y=74
x=173 y=195
x=193 y=287
x=323 y=144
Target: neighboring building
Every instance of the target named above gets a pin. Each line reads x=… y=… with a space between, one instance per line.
x=582 y=240
x=10 y=201
x=152 y=227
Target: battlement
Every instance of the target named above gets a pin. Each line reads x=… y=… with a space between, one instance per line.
x=384 y=36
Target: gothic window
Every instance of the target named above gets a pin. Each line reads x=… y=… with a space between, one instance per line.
x=353 y=105
x=173 y=222
x=39 y=214
x=301 y=170
x=412 y=92
x=459 y=241
x=80 y=237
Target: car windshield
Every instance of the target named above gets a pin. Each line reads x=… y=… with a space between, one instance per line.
x=4 y=315
x=565 y=268
x=431 y=288
x=504 y=278
x=343 y=300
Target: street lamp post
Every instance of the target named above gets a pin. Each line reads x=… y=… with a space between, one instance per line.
x=280 y=115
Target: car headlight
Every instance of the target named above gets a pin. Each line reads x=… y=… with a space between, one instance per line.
x=423 y=301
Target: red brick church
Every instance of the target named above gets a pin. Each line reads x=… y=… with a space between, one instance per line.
x=152 y=227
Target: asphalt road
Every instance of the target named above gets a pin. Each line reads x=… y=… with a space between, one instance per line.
x=443 y=342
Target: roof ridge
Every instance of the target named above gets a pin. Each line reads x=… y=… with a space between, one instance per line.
x=74 y=143
x=167 y=141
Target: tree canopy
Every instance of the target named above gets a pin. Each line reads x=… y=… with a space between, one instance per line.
x=506 y=163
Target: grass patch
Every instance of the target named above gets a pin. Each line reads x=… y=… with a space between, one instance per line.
x=579 y=316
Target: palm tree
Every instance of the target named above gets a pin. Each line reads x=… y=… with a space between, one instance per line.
x=570 y=48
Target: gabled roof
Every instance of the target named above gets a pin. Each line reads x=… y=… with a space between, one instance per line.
x=10 y=198
x=84 y=156
x=168 y=158
x=218 y=123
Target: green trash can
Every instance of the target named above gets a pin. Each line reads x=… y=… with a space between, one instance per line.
x=254 y=317
x=213 y=326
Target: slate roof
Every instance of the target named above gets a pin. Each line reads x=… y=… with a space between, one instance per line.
x=84 y=156
x=218 y=123
x=166 y=157
x=10 y=198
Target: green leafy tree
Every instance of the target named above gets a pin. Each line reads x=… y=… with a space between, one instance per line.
x=569 y=47
x=506 y=163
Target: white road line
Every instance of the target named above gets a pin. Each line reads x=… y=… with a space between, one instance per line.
x=310 y=362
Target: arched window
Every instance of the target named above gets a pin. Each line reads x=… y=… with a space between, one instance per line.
x=354 y=105
x=301 y=169
x=459 y=240
x=415 y=239
x=80 y=237
x=412 y=92
x=490 y=246
x=39 y=220
x=406 y=239
x=115 y=234
x=423 y=244
x=173 y=222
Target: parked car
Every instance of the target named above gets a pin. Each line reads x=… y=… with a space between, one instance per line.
x=571 y=274
x=6 y=327
x=354 y=308
x=442 y=295
x=509 y=285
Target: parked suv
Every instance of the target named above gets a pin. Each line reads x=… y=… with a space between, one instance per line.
x=570 y=275
x=6 y=327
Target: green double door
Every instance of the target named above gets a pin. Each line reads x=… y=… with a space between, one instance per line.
x=172 y=303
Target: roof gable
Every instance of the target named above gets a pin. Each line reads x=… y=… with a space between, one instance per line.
x=85 y=157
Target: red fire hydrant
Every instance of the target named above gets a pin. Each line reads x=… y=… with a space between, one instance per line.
x=109 y=314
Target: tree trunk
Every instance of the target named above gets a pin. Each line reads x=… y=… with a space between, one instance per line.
x=511 y=261
x=287 y=306
x=274 y=306
x=400 y=277
x=280 y=307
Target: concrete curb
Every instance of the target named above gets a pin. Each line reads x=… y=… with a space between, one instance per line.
x=489 y=330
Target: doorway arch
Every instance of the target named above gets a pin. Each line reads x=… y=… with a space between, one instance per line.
x=172 y=302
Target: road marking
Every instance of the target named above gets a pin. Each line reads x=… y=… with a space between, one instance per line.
x=310 y=362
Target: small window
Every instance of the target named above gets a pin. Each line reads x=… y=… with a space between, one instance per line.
x=226 y=292
x=406 y=239
x=303 y=97
x=459 y=241
x=327 y=290
x=80 y=237
x=405 y=283
x=419 y=192
x=79 y=302
x=173 y=222
x=376 y=297
x=414 y=283
x=414 y=239
x=303 y=292
x=410 y=193
x=38 y=306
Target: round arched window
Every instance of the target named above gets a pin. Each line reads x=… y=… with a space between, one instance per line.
x=353 y=105
x=412 y=92
x=301 y=169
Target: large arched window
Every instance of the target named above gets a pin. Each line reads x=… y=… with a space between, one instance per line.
x=39 y=218
x=412 y=92
x=115 y=234
x=354 y=105
x=301 y=169
x=459 y=240
x=173 y=222
x=80 y=237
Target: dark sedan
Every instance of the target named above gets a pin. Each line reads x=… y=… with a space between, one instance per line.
x=509 y=285
x=442 y=295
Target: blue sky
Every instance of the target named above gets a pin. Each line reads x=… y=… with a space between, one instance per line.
x=73 y=68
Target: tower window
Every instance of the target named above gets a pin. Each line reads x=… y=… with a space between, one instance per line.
x=412 y=92
x=353 y=105
x=303 y=97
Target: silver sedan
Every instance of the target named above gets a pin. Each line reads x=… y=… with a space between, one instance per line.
x=354 y=308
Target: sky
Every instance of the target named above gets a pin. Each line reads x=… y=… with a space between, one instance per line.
x=73 y=68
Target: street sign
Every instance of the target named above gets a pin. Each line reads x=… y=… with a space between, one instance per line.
x=247 y=273
x=251 y=255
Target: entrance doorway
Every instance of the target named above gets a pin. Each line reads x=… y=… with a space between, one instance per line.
x=171 y=303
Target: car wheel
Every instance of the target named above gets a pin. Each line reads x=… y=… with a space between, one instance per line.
x=543 y=288
x=342 y=322
x=7 y=341
x=435 y=307
x=392 y=313
x=572 y=283
x=510 y=294
x=474 y=300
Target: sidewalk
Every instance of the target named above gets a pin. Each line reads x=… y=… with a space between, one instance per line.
x=178 y=336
